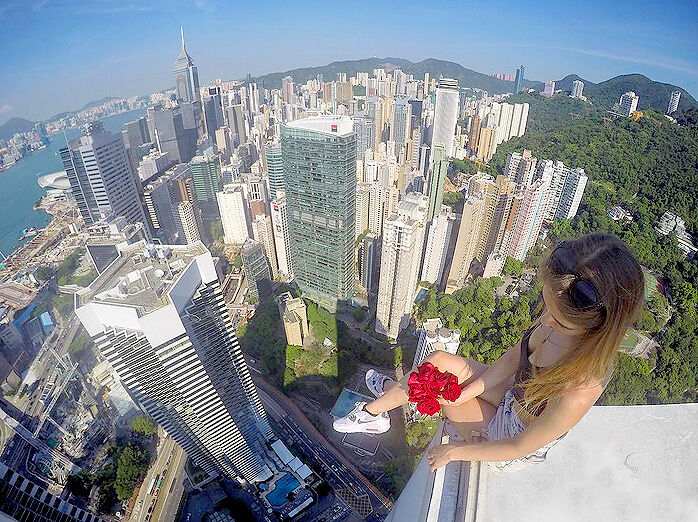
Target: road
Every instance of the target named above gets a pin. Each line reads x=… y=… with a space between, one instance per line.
x=164 y=500
x=172 y=488
x=296 y=429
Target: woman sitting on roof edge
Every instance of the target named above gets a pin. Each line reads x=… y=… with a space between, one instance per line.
x=526 y=401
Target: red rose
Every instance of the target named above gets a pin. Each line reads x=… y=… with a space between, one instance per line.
x=428 y=406
x=416 y=392
x=452 y=391
x=452 y=378
x=442 y=379
x=413 y=379
x=426 y=367
x=432 y=388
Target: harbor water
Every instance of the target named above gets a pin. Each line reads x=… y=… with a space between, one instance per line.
x=19 y=190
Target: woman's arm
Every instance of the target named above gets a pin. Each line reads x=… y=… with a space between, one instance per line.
x=557 y=418
x=502 y=369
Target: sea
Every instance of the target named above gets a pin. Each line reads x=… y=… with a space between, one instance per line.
x=19 y=190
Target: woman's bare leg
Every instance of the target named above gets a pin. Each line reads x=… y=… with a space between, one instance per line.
x=471 y=416
x=396 y=396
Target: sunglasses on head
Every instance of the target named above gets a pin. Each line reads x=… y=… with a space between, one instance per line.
x=582 y=292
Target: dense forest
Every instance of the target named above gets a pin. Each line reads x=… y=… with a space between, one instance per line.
x=646 y=166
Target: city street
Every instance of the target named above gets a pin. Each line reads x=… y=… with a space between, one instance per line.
x=164 y=501
x=296 y=429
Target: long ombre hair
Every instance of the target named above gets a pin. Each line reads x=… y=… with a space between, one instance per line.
x=606 y=261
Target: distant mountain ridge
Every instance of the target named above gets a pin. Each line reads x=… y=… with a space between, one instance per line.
x=466 y=77
x=653 y=95
x=13 y=126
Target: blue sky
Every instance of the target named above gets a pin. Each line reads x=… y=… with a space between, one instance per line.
x=59 y=54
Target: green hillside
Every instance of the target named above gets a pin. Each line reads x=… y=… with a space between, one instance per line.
x=435 y=68
x=14 y=125
x=653 y=95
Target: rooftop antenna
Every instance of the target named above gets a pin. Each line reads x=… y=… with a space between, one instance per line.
x=181 y=30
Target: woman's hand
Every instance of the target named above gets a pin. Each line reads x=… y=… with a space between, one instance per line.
x=465 y=396
x=441 y=455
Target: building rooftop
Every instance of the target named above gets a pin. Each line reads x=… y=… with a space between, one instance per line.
x=141 y=276
x=621 y=463
x=332 y=125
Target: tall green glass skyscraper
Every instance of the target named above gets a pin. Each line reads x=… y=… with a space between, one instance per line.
x=319 y=158
x=206 y=177
x=275 y=169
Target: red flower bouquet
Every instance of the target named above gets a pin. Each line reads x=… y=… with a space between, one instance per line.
x=427 y=384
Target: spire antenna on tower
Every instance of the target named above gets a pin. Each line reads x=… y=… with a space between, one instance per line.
x=181 y=30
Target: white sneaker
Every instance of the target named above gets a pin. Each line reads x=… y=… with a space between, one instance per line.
x=375 y=382
x=360 y=421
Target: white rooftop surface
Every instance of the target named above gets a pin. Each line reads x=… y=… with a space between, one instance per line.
x=55 y=180
x=304 y=471
x=621 y=463
x=295 y=464
x=282 y=451
x=323 y=124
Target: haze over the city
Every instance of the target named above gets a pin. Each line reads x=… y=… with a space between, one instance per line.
x=69 y=52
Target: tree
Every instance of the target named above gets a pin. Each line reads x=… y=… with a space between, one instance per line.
x=144 y=425
x=131 y=467
x=512 y=267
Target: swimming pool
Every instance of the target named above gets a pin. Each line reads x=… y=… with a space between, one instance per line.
x=287 y=483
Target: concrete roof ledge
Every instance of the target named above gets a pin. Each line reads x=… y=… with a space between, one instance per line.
x=620 y=463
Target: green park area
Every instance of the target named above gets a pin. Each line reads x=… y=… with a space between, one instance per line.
x=320 y=367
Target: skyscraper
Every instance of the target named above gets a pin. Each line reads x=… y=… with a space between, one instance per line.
x=445 y=114
x=167 y=132
x=570 y=196
x=365 y=131
x=497 y=195
x=437 y=245
x=162 y=197
x=520 y=167
x=549 y=89
x=466 y=243
x=363 y=202
x=135 y=134
x=435 y=187
x=22 y=499
x=287 y=89
x=433 y=336
x=186 y=75
x=368 y=262
x=400 y=126
x=232 y=206
x=282 y=240
x=101 y=178
x=518 y=82
x=529 y=216
x=275 y=169
x=256 y=267
x=206 y=175
x=628 y=103
x=401 y=255
x=577 y=88
x=674 y=102
x=236 y=122
x=264 y=233
x=158 y=316
x=319 y=155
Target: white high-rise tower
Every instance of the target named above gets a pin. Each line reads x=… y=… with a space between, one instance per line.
x=158 y=316
x=445 y=114
x=403 y=244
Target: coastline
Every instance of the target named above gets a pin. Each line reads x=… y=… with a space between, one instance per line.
x=19 y=184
